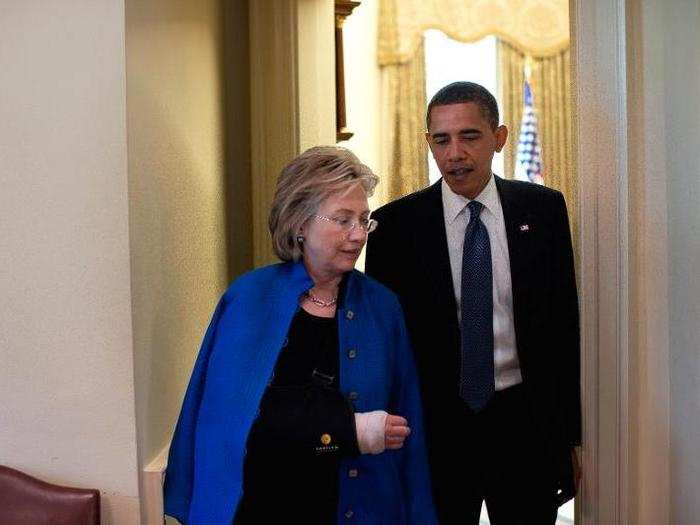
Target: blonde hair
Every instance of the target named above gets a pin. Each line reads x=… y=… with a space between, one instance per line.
x=304 y=184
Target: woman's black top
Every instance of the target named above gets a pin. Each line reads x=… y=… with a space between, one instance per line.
x=304 y=428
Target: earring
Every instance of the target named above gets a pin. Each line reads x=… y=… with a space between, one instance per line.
x=300 y=239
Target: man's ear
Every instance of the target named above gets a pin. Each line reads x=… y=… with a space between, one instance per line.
x=501 y=137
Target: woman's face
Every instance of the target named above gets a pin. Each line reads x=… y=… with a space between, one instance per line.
x=329 y=248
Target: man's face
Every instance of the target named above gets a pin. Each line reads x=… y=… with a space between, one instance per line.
x=463 y=143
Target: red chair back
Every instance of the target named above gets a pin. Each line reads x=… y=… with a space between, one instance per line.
x=25 y=500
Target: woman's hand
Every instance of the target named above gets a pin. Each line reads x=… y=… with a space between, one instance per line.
x=396 y=430
x=378 y=431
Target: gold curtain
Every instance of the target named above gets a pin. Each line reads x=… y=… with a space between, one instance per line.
x=404 y=156
x=550 y=80
x=511 y=76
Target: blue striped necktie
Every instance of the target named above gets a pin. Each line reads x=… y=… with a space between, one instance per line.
x=477 y=375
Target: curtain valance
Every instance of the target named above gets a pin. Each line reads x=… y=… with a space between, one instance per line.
x=535 y=27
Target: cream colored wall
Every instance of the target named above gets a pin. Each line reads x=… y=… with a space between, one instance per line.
x=363 y=88
x=316 y=72
x=66 y=372
x=176 y=120
x=71 y=276
x=292 y=96
x=363 y=93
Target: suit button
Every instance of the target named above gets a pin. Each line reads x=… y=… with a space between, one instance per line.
x=350 y=314
x=352 y=354
x=352 y=396
x=349 y=513
x=352 y=473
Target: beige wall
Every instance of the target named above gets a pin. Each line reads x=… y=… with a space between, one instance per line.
x=292 y=96
x=66 y=372
x=176 y=119
x=316 y=72
x=363 y=93
x=363 y=88
x=83 y=246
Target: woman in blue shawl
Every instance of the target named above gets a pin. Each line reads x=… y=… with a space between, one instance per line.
x=303 y=406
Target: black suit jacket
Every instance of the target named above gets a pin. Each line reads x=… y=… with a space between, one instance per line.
x=408 y=253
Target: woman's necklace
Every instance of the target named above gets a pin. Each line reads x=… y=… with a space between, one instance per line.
x=320 y=302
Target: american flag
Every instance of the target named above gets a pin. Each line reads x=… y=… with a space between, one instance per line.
x=528 y=161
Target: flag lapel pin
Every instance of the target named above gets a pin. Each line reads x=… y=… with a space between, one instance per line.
x=524 y=227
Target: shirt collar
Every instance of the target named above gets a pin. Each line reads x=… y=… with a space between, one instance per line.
x=454 y=204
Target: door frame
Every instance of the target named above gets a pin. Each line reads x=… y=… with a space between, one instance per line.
x=623 y=267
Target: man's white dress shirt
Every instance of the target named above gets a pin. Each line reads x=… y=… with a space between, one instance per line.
x=457 y=215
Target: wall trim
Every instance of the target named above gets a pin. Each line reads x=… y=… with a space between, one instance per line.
x=600 y=102
x=274 y=108
x=619 y=125
x=152 y=511
x=649 y=485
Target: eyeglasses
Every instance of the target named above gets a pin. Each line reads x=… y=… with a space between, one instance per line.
x=347 y=225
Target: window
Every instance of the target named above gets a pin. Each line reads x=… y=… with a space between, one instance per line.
x=447 y=60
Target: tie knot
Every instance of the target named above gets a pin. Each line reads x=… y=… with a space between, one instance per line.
x=475 y=208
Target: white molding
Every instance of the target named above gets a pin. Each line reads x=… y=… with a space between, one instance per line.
x=649 y=404
x=621 y=153
x=620 y=126
x=600 y=98
x=152 y=497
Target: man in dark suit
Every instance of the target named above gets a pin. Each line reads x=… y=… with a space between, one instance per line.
x=484 y=270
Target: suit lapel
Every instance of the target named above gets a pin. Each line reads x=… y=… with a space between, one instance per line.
x=431 y=244
x=520 y=225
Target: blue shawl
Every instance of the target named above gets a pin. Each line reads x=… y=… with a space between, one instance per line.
x=204 y=476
